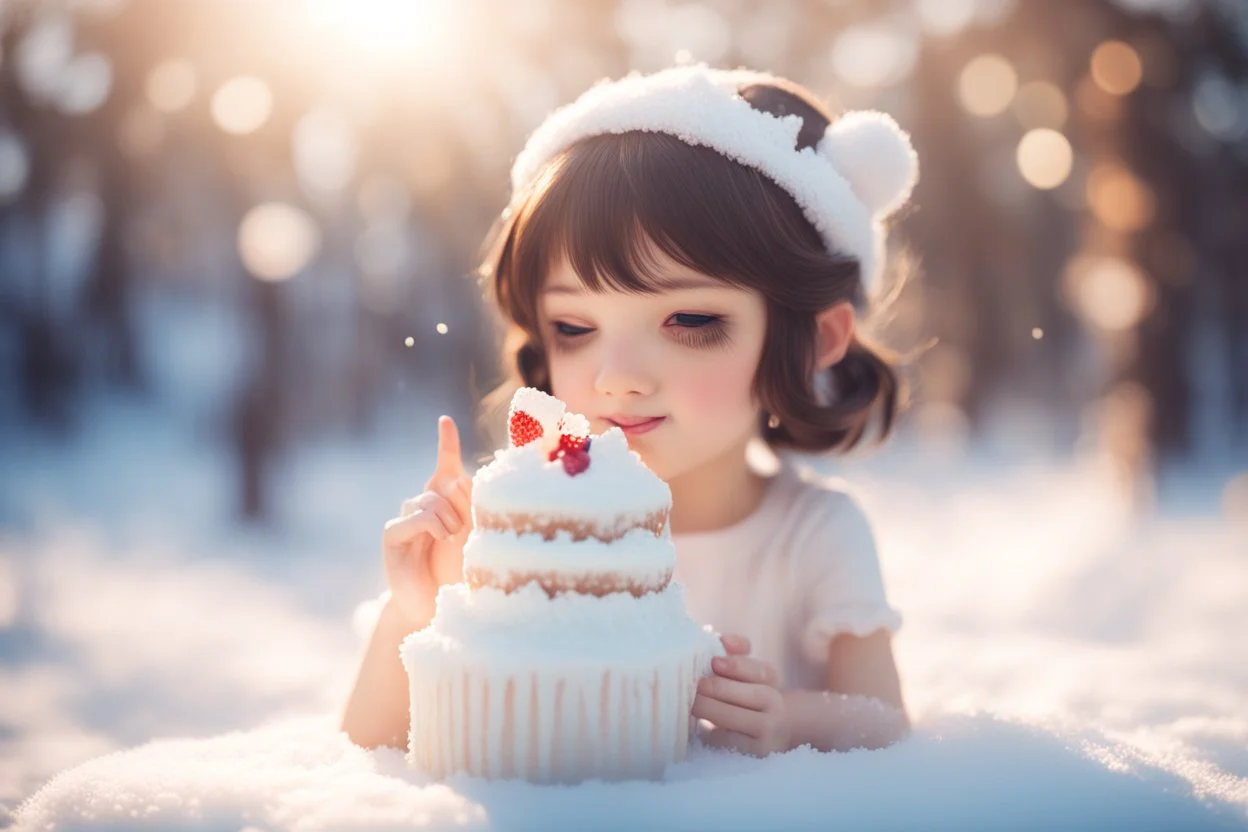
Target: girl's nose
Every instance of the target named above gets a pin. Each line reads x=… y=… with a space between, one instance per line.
x=623 y=371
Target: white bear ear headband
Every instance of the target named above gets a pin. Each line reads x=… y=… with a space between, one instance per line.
x=862 y=169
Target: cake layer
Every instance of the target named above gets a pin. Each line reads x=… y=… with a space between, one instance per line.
x=554 y=689
x=549 y=526
x=638 y=562
x=513 y=631
x=616 y=490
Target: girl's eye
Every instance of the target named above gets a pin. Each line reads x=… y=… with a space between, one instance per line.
x=688 y=328
x=568 y=337
x=692 y=321
x=571 y=330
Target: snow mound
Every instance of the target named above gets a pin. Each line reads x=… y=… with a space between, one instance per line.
x=956 y=772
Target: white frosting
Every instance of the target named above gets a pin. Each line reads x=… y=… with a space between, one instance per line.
x=637 y=556
x=526 y=628
x=574 y=424
x=616 y=485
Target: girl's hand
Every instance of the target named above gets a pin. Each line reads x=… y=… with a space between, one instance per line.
x=423 y=547
x=743 y=701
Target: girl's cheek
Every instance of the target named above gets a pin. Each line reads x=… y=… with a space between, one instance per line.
x=719 y=384
x=572 y=380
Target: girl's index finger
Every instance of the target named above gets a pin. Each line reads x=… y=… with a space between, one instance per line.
x=450 y=464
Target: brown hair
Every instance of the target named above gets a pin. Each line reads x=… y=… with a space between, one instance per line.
x=607 y=198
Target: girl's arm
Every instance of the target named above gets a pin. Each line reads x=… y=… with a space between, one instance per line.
x=862 y=706
x=377 y=711
x=422 y=549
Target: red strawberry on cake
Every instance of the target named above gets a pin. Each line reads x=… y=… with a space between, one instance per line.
x=523 y=429
x=535 y=416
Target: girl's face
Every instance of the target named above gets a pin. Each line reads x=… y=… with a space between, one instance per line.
x=673 y=369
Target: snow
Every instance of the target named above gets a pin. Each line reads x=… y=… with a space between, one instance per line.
x=958 y=772
x=1069 y=663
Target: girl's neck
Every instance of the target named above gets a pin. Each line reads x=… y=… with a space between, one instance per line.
x=716 y=495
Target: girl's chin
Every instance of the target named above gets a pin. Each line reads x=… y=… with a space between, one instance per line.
x=664 y=469
x=654 y=462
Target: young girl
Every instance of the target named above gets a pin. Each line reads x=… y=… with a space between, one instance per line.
x=686 y=256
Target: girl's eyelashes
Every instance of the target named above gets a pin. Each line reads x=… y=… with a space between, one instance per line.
x=699 y=330
x=566 y=337
x=567 y=330
x=690 y=329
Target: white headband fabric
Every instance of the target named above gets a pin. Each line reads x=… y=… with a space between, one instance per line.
x=863 y=168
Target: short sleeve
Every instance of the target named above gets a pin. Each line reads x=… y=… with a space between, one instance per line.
x=837 y=571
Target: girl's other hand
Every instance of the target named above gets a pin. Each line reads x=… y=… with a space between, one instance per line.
x=743 y=701
x=423 y=547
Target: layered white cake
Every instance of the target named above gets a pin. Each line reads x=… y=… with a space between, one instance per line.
x=567 y=653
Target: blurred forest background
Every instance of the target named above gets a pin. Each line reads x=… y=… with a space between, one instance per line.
x=261 y=216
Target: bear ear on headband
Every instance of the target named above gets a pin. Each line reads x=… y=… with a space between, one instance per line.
x=875 y=156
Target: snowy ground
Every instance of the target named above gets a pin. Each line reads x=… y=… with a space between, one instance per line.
x=1070 y=665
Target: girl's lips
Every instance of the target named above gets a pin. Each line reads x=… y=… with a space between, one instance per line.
x=636 y=427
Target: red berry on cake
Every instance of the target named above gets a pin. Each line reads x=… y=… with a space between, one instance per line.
x=523 y=429
x=573 y=443
x=541 y=411
x=569 y=444
x=575 y=461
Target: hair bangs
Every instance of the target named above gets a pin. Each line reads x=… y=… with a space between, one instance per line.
x=613 y=203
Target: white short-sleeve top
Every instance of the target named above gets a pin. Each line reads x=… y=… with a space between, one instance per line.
x=798 y=571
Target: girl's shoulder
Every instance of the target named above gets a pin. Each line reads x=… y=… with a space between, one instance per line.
x=831 y=550
x=822 y=504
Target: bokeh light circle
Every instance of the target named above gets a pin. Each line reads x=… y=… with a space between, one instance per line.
x=277 y=240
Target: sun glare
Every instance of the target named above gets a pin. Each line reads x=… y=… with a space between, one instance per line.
x=384 y=30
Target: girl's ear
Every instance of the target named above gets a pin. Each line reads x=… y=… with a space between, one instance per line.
x=834 y=328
